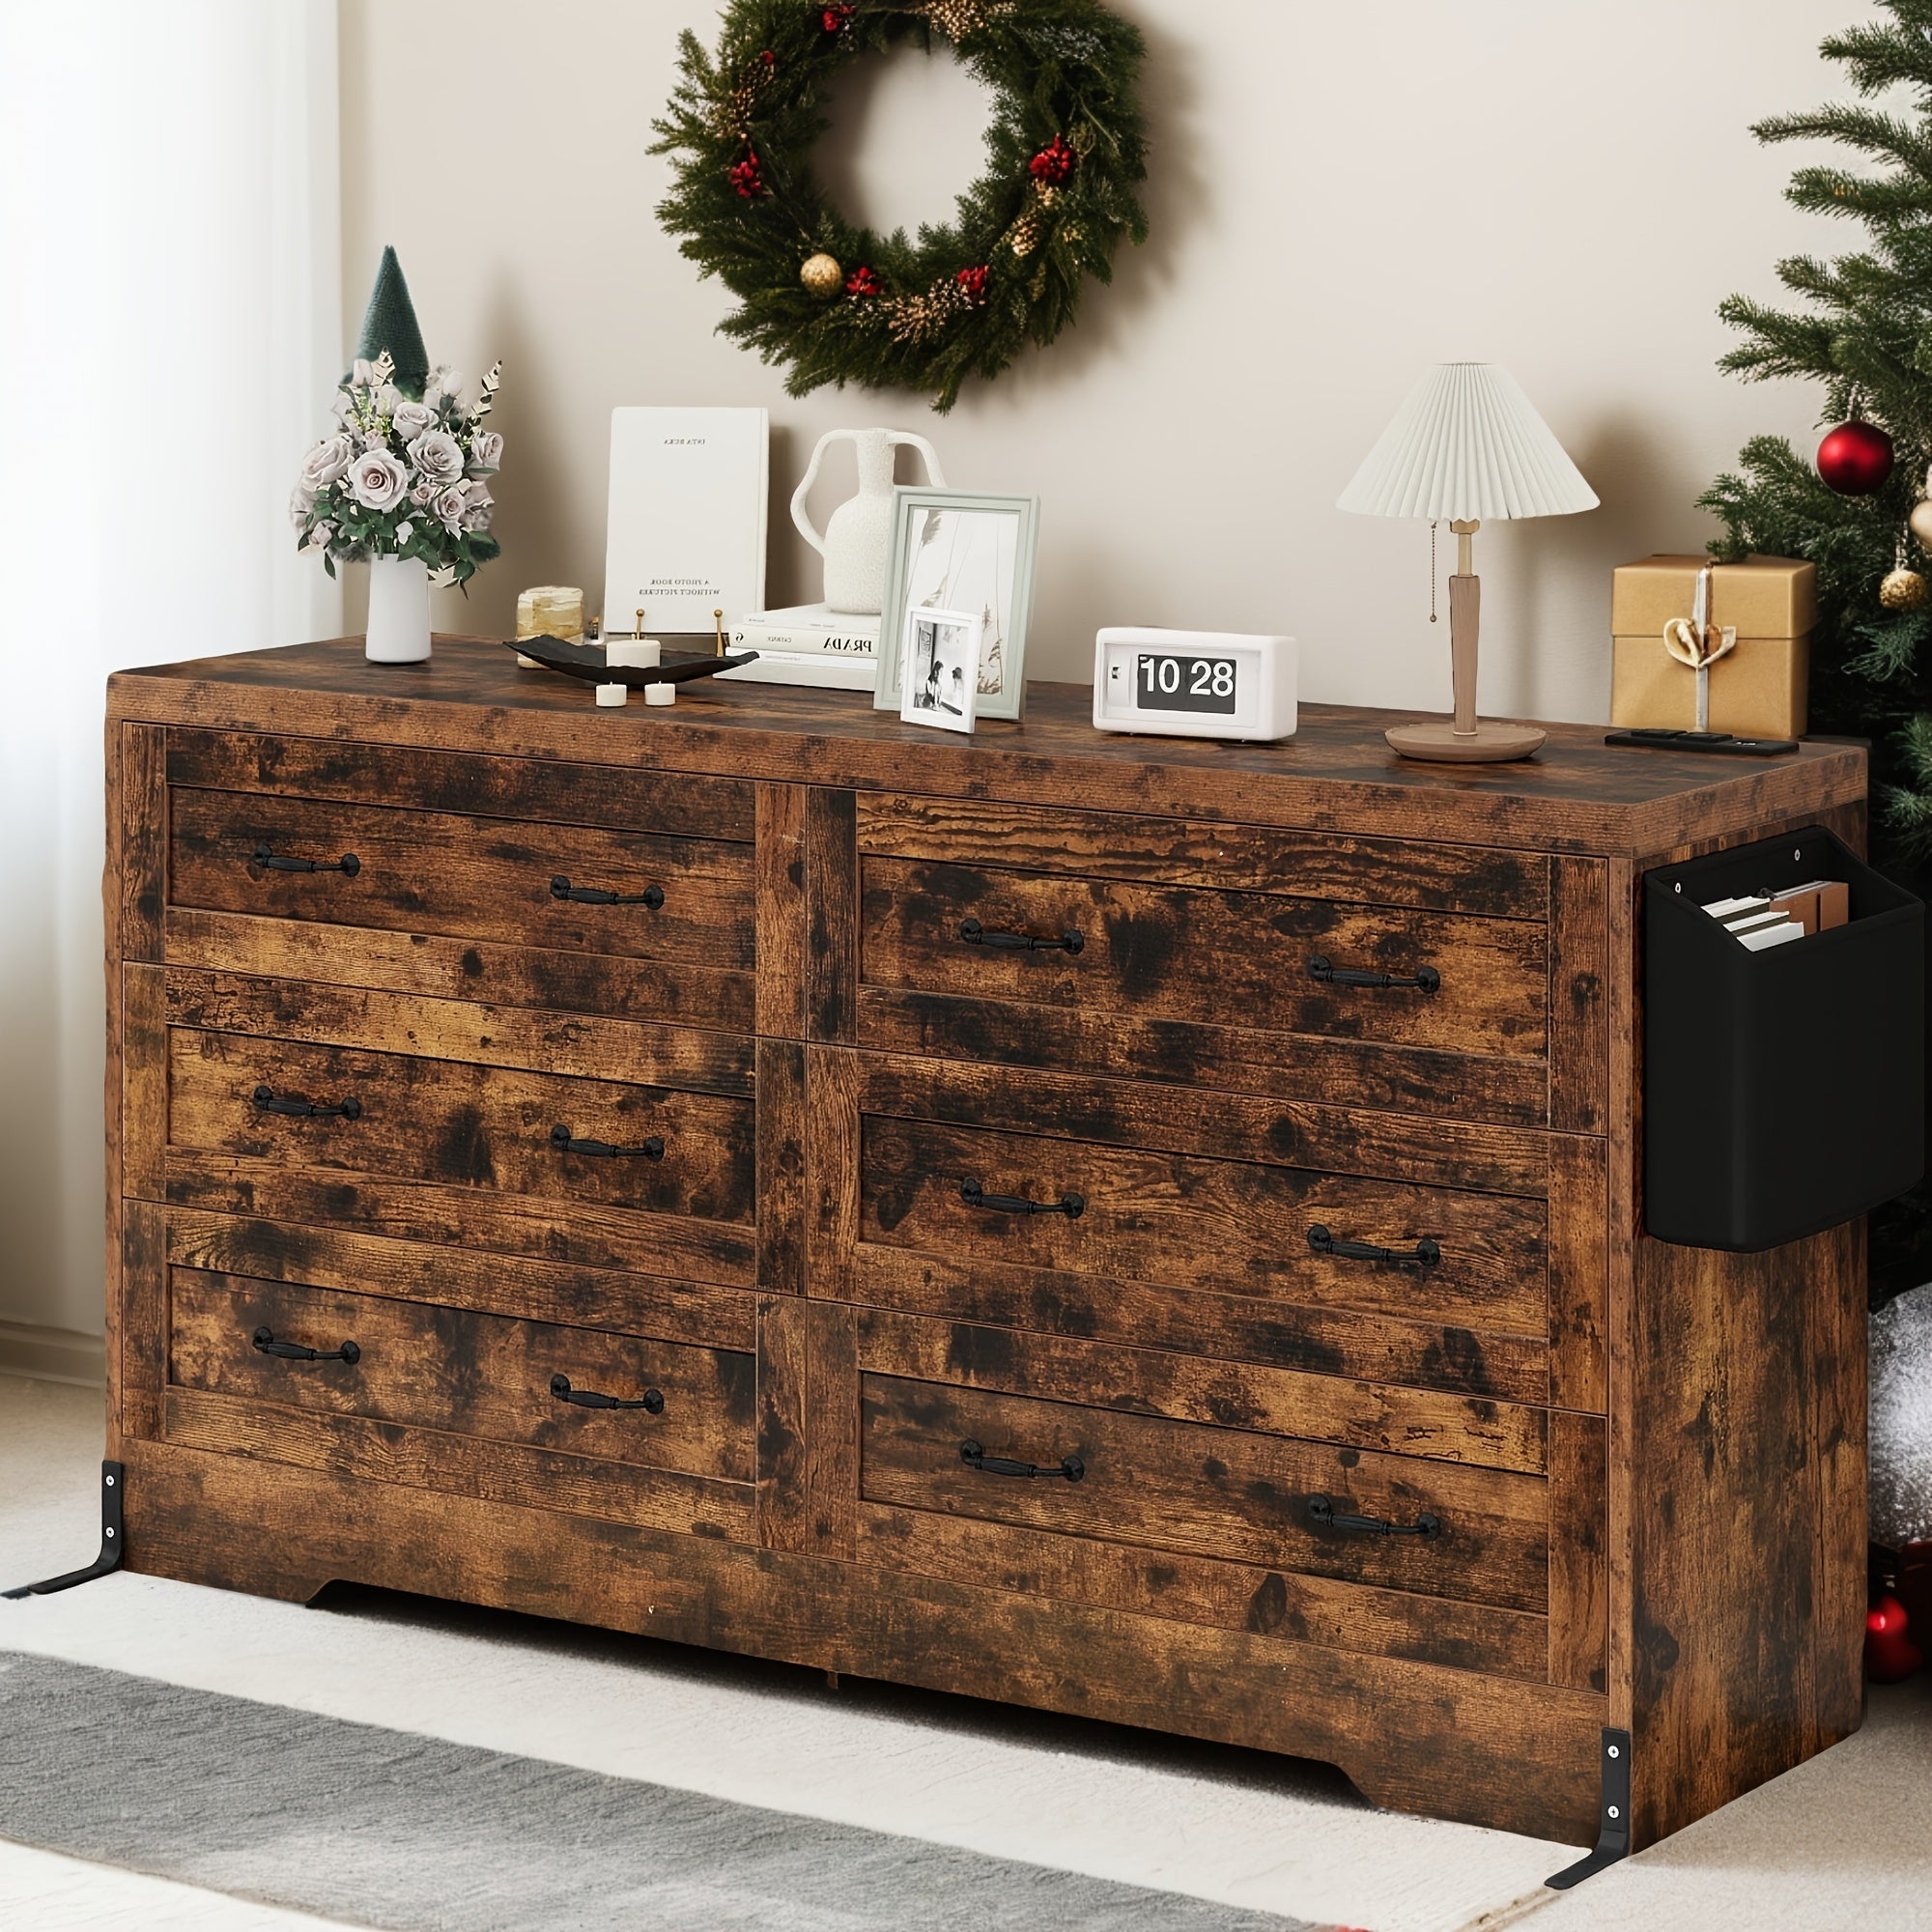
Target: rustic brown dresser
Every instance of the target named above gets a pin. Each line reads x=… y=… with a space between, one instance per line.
x=1137 y=1228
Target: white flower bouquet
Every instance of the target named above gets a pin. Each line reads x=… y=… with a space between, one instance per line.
x=400 y=477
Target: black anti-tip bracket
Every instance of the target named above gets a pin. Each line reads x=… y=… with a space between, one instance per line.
x=113 y=1540
x=1613 y=1821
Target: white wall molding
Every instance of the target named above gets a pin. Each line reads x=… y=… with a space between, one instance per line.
x=52 y=1354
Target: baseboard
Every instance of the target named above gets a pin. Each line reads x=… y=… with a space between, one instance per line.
x=52 y=1354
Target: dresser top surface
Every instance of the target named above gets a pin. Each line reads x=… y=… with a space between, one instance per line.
x=1336 y=774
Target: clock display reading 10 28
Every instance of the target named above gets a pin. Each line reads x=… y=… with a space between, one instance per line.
x=1194 y=683
x=1165 y=683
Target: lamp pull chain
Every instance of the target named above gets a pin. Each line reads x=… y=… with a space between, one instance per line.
x=1433 y=571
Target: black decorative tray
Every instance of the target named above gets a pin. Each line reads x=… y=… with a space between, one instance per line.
x=586 y=662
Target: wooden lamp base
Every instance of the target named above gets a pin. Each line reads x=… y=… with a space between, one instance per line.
x=1438 y=740
x=1461 y=739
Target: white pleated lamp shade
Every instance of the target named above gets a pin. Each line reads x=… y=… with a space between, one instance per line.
x=1467 y=443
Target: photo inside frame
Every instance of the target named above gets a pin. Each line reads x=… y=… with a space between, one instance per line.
x=958 y=559
x=940 y=670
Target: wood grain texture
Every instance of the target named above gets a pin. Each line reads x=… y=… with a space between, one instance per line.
x=577 y=1044
x=832 y=1447
x=463 y=879
x=1414 y=1736
x=1579 y=1570
x=1579 y=1272
x=593 y=984
x=782 y=939
x=1576 y=795
x=465 y=1374
x=832 y=901
x=1280 y=1604
x=457 y=1276
x=780 y=1165
x=783 y=1519
x=138 y=822
x=1164 y=851
x=461 y=1126
x=1207 y=1491
x=143 y=1280
x=574 y=793
x=143 y=1059
x=1732 y=1615
x=1117 y=1044
x=1225 y=958
x=1578 y=1014
x=1186 y=1388
x=506 y=1473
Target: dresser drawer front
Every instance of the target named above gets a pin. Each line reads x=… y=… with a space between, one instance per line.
x=1206 y=1491
x=468 y=1373
x=687 y=901
x=1220 y=1226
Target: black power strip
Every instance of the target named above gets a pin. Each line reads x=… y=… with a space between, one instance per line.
x=1723 y=743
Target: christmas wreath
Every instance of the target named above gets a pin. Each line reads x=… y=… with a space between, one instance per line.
x=842 y=304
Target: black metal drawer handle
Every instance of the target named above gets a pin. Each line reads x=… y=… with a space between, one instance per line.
x=271 y=861
x=1426 y=1253
x=561 y=887
x=1071 y=1205
x=651 y=1401
x=268 y=1102
x=1069 y=1468
x=1323 y=1510
x=265 y=1344
x=565 y=1142
x=1424 y=980
x=976 y=934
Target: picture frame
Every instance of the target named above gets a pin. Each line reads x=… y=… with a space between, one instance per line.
x=941 y=653
x=960 y=550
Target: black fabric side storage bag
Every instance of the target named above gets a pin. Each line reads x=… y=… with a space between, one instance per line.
x=1783 y=1090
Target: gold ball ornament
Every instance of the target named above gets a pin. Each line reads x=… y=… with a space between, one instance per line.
x=1902 y=590
x=822 y=276
x=1920 y=522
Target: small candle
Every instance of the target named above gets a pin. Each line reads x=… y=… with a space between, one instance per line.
x=613 y=694
x=633 y=653
x=660 y=694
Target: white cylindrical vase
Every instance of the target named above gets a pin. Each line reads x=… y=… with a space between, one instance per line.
x=398 y=611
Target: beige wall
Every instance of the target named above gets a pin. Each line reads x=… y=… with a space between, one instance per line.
x=1340 y=195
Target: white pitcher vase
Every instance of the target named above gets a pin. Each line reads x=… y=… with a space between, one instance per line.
x=857 y=535
x=398 y=611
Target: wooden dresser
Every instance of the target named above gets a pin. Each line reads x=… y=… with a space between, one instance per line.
x=1008 y=1239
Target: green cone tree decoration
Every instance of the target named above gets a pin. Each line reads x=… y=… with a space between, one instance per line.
x=1864 y=332
x=390 y=322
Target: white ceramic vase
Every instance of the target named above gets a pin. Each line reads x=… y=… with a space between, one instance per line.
x=398 y=611
x=859 y=533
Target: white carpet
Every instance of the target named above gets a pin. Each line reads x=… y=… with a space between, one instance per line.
x=1841 y=1842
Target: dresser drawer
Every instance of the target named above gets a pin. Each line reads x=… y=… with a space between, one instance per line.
x=485 y=908
x=1353 y=1244
x=450 y=1398
x=1217 y=956
x=1270 y=1501
x=654 y=1177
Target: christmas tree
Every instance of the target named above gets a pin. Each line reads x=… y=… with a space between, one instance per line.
x=390 y=322
x=1864 y=332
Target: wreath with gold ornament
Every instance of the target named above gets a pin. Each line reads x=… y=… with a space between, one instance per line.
x=842 y=304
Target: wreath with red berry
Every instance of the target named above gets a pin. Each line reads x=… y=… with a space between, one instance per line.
x=842 y=304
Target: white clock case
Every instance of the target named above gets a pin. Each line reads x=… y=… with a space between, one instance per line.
x=1268 y=672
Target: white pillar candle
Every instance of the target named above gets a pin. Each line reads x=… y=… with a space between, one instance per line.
x=633 y=653
x=612 y=694
x=660 y=694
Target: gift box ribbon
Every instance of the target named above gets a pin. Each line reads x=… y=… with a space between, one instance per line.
x=1694 y=641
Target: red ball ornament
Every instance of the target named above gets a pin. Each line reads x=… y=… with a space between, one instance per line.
x=1856 y=459
x=1890 y=1655
x=834 y=19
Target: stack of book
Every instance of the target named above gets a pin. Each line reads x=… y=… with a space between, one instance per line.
x=809 y=645
x=1760 y=920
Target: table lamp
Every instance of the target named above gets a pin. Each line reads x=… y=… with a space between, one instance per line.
x=1466 y=444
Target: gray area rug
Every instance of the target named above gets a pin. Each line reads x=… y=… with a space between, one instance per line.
x=391 y=1830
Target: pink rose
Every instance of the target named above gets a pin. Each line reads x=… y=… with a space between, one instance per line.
x=486 y=453
x=436 y=456
x=326 y=461
x=377 y=480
